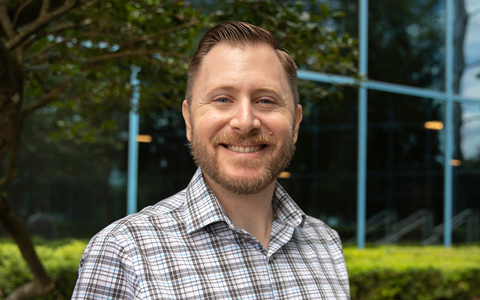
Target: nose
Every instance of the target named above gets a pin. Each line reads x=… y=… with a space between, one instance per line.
x=245 y=118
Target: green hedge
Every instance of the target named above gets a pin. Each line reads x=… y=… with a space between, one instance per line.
x=395 y=272
x=389 y=272
x=60 y=259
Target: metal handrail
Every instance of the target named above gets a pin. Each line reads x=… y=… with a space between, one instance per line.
x=457 y=220
x=404 y=230
x=374 y=222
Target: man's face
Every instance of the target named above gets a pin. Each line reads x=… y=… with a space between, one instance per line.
x=242 y=122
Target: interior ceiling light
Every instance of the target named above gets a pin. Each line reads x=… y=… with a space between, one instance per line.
x=455 y=162
x=144 y=138
x=433 y=125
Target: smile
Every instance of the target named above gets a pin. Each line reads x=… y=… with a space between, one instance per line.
x=244 y=149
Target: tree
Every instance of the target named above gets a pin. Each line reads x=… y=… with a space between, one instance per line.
x=77 y=53
x=75 y=56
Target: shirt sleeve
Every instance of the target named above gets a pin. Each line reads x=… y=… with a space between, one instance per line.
x=338 y=260
x=105 y=272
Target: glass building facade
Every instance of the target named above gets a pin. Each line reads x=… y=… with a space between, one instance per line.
x=396 y=160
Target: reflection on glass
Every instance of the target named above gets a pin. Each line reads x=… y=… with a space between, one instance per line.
x=472 y=39
x=323 y=170
x=469 y=50
x=466 y=175
x=470 y=132
x=470 y=84
x=404 y=167
x=472 y=6
x=406 y=43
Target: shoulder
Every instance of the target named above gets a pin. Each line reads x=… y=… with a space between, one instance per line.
x=120 y=250
x=317 y=229
x=317 y=236
x=164 y=217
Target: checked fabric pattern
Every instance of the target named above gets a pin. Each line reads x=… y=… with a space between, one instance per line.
x=186 y=247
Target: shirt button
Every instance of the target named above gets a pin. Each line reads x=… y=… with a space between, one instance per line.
x=270 y=259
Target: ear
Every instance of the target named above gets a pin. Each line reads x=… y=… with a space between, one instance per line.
x=298 y=119
x=186 y=117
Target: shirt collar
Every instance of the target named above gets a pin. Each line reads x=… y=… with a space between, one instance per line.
x=202 y=207
x=286 y=209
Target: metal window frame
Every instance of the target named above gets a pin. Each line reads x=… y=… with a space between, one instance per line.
x=448 y=96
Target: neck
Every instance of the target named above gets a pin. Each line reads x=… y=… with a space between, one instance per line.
x=253 y=212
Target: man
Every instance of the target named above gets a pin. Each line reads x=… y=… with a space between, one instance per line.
x=41 y=223
x=233 y=233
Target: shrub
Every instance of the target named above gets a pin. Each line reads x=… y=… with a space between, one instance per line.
x=60 y=259
x=387 y=272
x=394 y=272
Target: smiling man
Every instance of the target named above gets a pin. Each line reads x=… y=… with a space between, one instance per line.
x=233 y=233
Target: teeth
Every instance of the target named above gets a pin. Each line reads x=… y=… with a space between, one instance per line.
x=244 y=149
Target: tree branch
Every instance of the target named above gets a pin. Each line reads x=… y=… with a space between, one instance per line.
x=145 y=38
x=60 y=27
x=40 y=82
x=5 y=19
x=45 y=8
x=55 y=30
x=19 y=10
x=40 y=22
x=49 y=97
x=108 y=56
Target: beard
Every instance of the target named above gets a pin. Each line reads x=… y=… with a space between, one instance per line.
x=274 y=163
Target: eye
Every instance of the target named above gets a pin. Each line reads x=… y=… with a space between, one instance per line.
x=266 y=101
x=222 y=100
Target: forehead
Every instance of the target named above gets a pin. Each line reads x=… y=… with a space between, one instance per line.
x=242 y=66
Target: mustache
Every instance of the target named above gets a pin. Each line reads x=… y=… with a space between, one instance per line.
x=257 y=138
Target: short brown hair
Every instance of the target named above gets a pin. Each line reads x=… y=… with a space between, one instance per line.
x=238 y=34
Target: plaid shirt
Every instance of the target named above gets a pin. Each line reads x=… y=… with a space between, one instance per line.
x=186 y=247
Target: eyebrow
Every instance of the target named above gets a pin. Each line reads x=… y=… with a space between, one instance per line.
x=232 y=88
x=222 y=87
x=218 y=88
x=280 y=96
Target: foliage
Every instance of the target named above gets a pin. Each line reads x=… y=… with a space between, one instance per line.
x=391 y=272
x=60 y=259
x=92 y=49
x=402 y=258
x=396 y=272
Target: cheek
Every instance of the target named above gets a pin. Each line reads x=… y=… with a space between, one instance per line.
x=282 y=126
x=208 y=126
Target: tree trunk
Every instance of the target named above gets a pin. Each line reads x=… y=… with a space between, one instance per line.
x=42 y=284
x=11 y=94
x=11 y=120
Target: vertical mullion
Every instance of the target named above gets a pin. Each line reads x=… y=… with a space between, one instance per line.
x=448 y=180
x=133 y=131
x=362 y=126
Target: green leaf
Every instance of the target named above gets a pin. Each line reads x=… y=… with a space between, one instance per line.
x=324 y=10
x=338 y=14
